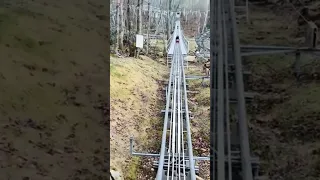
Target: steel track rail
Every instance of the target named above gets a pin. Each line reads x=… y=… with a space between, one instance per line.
x=176 y=155
x=241 y=106
x=224 y=36
x=227 y=100
x=220 y=98
x=165 y=126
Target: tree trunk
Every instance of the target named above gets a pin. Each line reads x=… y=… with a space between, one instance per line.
x=118 y=27
x=130 y=23
x=128 y=17
x=199 y=25
x=205 y=22
x=149 y=21
x=168 y=18
x=140 y=16
x=158 y=24
x=122 y=29
x=139 y=22
x=135 y=15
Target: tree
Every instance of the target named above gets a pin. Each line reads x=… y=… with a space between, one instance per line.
x=118 y=26
x=122 y=26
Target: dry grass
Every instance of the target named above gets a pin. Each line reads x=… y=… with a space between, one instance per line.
x=134 y=106
x=199 y=105
x=192 y=44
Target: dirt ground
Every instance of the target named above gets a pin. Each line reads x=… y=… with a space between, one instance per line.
x=53 y=77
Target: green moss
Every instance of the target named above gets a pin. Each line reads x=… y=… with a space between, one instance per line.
x=203 y=97
x=113 y=55
x=114 y=72
x=133 y=169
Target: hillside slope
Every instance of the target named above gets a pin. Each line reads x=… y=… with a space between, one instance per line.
x=284 y=120
x=136 y=96
x=53 y=80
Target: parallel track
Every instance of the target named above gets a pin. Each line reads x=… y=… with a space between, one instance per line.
x=176 y=149
x=230 y=152
x=225 y=53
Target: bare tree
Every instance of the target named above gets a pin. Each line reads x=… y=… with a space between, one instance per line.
x=131 y=18
x=139 y=21
x=206 y=18
x=169 y=2
x=122 y=26
x=149 y=23
x=118 y=26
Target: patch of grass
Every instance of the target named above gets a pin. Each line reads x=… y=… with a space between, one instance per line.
x=154 y=131
x=203 y=97
x=113 y=55
x=192 y=44
x=303 y=102
x=114 y=72
x=195 y=83
x=273 y=63
x=194 y=71
x=135 y=96
x=159 y=44
x=133 y=168
x=298 y=117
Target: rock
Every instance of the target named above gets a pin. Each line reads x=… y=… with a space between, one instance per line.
x=116 y=175
x=203 y=150
x=160 y=54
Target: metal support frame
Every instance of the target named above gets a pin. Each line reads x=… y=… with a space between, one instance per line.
x=133 y=153
x=226 y=53
x=176 y=158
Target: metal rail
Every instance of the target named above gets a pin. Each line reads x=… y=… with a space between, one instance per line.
x=177 y=149
x=225 y=52
x=175 y=144
x=229 y=140
x=176 y=160
x=176 y=155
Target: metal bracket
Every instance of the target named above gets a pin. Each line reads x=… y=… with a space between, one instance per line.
x=312 y=35
x=140 y=154
x=254 y=50
x=158 y=155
